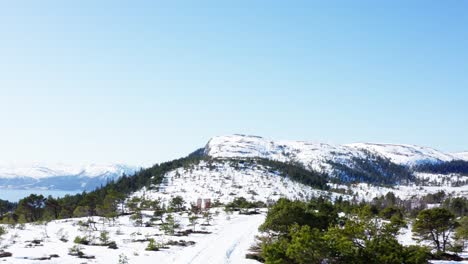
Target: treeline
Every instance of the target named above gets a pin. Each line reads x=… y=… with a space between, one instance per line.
x=374 y=169
x=454 y=166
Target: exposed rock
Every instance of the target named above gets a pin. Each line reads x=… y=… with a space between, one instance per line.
x=4 y=254
x=181 y=243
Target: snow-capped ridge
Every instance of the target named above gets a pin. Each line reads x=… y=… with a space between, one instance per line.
x=316 y=155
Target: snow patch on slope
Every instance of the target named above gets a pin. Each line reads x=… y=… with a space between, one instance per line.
x=406 y=154
x=462 y=155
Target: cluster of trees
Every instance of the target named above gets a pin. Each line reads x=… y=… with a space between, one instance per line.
x=373 y=169
x=454 y=166
x=446 y=225
x=136 y=206
x=292 y=170
x=457 y=205
x=240 y=203
x=6 y=207
x=312 y=232
x=39 y=208
x=164 y=216
x=412 y=206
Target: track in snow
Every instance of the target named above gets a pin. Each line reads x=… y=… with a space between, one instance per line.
x=228 y=245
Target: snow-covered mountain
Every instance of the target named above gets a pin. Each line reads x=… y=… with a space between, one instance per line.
x=265 y=170
x=60 y=176
x=317 y=156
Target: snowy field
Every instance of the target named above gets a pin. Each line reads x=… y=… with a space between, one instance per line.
x=229 y=239
x=231 y=236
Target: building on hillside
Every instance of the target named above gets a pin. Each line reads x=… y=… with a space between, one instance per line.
x=203 y=204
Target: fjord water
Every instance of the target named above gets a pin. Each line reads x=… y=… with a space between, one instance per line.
x=14 y=195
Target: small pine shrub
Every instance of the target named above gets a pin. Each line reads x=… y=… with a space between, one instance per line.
x=80 y=240
x=104 y=237
x=152 y=245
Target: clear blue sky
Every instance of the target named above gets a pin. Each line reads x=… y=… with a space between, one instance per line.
x=144 y=81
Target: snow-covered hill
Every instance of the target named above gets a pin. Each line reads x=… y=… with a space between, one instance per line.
x=316 y=155
x=224 y=180
x=60 y=176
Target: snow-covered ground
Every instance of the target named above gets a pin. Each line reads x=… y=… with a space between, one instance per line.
x=230 y=238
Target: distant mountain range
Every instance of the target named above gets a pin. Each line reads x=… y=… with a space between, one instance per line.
x=60 y=176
